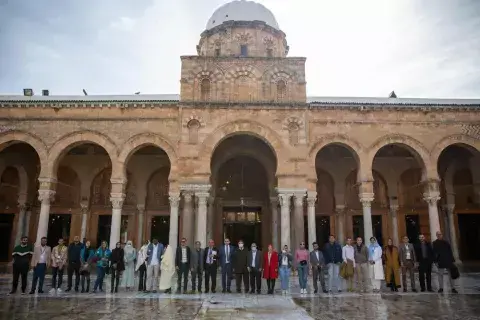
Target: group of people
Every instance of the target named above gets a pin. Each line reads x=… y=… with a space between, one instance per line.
x=157 y=266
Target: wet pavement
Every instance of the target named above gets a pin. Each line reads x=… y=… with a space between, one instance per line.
x=133 y=305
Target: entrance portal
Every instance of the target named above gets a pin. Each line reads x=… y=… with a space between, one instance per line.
x=6 y=227
x=243 y=225
x=468 y=225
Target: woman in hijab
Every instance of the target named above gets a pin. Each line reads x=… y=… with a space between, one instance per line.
x=270 y=268
x=101 y=256
x=167 y=268
x=117 y=266
x=392 y=266
x=375 y=262
x=128 y=278
x=86 y=258
x=142 y=267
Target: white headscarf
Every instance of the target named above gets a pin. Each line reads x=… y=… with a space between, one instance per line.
x=129 y=249
x=167 y=260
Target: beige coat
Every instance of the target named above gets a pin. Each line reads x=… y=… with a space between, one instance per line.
x=59 y=257
x=37 y=252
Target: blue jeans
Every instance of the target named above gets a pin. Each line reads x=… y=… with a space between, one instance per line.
x=284 y=277
x=99 y=280
x=333 y=280
x=302 y=276
x=38 y=275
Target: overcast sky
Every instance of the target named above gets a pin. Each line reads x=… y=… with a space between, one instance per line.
x=418 y=48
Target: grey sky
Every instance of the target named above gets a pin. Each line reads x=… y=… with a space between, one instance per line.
x=418 y=48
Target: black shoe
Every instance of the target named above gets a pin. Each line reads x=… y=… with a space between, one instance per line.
x=146 y=291
x=223 y=291
x=82 y=291
x=168 y=291
x=454 y=290
x=405 y=290
x=213 y=291
x=414 y=290
x=68 y=290
x=40 y=291
x=12 y=292
x=229 y=291
x=315 y=291
x=32 y=292
x=440 y=290
x=325 y=291
x=206 y=291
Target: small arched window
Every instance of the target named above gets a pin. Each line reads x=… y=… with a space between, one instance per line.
x=193 y=127
x=205 y=89
x=293 y=130
x=281 y=90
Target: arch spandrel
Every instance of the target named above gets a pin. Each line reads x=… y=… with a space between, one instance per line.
x=30 y=139
x=418 y=150
x=64 y=144
x=445 y=142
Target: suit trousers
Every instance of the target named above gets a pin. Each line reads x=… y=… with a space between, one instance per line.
x=238 y=280
x=153 y=273
x=210 y=274
x=142 y=277
x=197 y=276
x=255 y=280
x=409 y=267
x=318 y=274
x=361 y=271
x=57 y=273
x=38 y=275
x=425 y=271
x=73 y=267
x=182 y=273
x=441 y=275
x=226 y=276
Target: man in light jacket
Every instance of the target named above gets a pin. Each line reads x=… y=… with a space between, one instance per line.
x=408 y=260
x=59 y=260
x=154 y=257
x=40 y=262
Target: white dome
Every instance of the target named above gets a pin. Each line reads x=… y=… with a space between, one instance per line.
x=242 y=11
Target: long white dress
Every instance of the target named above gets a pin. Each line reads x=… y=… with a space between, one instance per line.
x=376 y=270
x=128 y=277
x=167 y=268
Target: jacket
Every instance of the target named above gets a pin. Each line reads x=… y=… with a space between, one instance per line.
x=419 y=253
x=91 y=254
x=37 y=252
x=258 y=259
x=332 y=253
x=102 y=257
x=314 y=262
x=195 y=262
x=73 y=255
x=240 y=261
x=402 y=253
x=59 y=256
x=214 y=256
x=442 y=254
x=150 y=253
x=222 y=254
x=289 y=259
x=178 y=256
x=362 y=255
x=117 y=257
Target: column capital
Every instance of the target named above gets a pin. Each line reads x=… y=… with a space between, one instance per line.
x=450 y=208
x=274 y=200
x=194 y=187
x=187 y=195
x=298 y=198
x=47 y=183
x=46 y=196
x=174 y=199
x=202 y=198
x=284 y=199
x=84 y=206
x=117 y=200
x=141 y=208
x=311 y=198
x=394 y=208
x=22 y=205
x=431 y=198
x=340 y=208
x=366 y=199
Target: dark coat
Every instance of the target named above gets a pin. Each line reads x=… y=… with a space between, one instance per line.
x=332 y=253
x=117 y=257
x=442 y=254
x=240 y=261
x=223 y=252
x=419 y=254
x=194 y=258
x=258 y=259
x=73 y=253
x=215 y=257
x=178 y=256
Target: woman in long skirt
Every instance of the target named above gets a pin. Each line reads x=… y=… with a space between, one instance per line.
x=375 y=264
x=128 y=278
x=167 y=268
x=392 y=266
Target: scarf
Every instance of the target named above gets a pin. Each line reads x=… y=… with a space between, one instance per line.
x=359 y=248
x=372 y=247
x=129 y=249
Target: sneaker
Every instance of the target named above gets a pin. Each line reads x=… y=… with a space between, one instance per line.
x=59 y=290
x=52 y=291
x=454 y=290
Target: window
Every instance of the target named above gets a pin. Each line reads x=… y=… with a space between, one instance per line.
x=269 y=53
x=193 y=127
x=243 y=50
x=281 y=90
x=217 y=52
x=205 y=89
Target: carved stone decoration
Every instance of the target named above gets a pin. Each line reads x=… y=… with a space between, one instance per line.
x=472 y=130
x=243 y=38
x=46 y=196
x=269 y=42
x=101 y=188
x=117 y=200
x=366 y=199
x=193 y=128
x=296 y=134
x=174 y=200
x=158 y=187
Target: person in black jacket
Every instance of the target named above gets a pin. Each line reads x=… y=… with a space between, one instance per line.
x=424 y=254
x=182 y=264
x=332 y=252
x=443 y=258
x=73 y=258
x=211 y=263
x=117 y=266
x=240 y=267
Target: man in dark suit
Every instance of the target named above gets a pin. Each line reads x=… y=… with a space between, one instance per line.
x=182 y=264
x=239 y=266
x=255 y=266
x=317 y=263
x=196 y=265
x=225 y=257
x=210 y=265
x=424 y=255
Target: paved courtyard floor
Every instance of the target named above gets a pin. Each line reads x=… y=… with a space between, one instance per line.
x=133 y=305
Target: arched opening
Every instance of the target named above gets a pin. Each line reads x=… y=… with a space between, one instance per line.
x=243 y=179
x=147 y=215
x=458 y=168
x=193 y=127
x=337 y=160
x=77 y=166
x=19 y=170
x=205 y=89
x=401 y=205
x=281 y=90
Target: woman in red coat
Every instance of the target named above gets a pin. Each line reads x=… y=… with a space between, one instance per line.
x=270 y=268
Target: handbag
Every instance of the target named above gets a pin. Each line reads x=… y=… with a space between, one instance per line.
x=303 y=262
x=454 y=273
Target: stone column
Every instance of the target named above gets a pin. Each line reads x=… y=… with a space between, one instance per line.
x=201 y=234
x=22 y=209
x=117 y=200
x=450 y=208
x=340 y=211
x=26 y=227
x=432 y=196
x=83 y=229
x=187 y=217
x=366 y=200
x=45 y=197
x=393 y=212
x=174 y=199
x=312 y=230
x=210 y=218
x=299 y=223
x=284 y=200
x=140 y=223
x=274 y=206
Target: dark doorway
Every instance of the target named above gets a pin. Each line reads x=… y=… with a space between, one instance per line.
x=160 y=229
x=358 y=228
x=58 y=227
x=6 y=227
x=322 y=227
x=377 y=231
x=469 y=227
x=412 y=224
x=243 y=224
x=104 y=226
